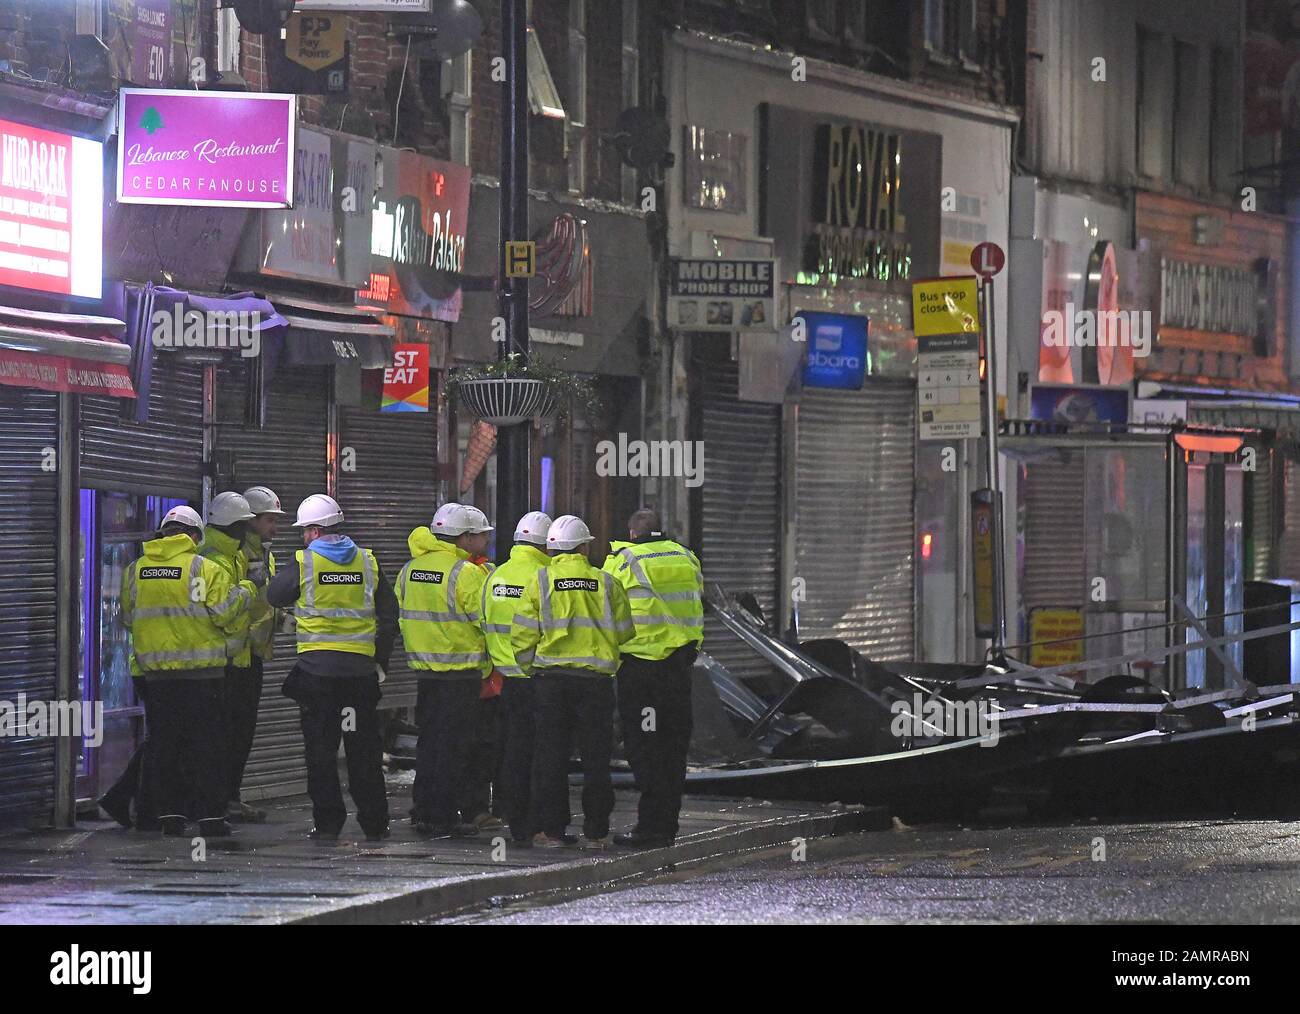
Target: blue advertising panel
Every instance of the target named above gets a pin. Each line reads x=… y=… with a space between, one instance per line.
x=1079 y=403
x=837 y=350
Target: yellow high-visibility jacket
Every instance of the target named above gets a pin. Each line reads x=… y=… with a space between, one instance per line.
x=439 y=594
x=501 y=594
x=665 y=586
x=262 y=616
x=335 y=608
x=180 y=608
x=572 y=616
x=226 y=552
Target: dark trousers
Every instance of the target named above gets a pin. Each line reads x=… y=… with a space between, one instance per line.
x=243 y=697
x=480 y=790
x=656 y=741
x=184 y=757
x=517 y=768
x=444 y=713
x=321 y=706
x=129 y=788
x=569 y=707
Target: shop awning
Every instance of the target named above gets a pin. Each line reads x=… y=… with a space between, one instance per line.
x=67 y=353
x=333 y=334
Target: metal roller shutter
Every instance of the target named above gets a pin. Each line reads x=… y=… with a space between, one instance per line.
x=28 y=540
x=1055 y=553
x=163 y=456
x=856 y=475
x=1288 y=564
x=741 y=515
x=289 y=455
x=392 y=491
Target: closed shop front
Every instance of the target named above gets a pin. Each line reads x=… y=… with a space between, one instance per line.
x=28 y=594
x=855 y=475
x=390 y=490
x=288 y=454
x=739 y=506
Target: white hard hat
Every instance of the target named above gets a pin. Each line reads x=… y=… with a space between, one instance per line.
x=227 y=508
x=533 y=527
x=452 y=519
x=318 y=509
x=480 y=521
x=186 y=516
x=262 y=500
x=568 y=532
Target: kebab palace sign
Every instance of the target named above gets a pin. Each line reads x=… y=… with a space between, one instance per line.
x=220 y=149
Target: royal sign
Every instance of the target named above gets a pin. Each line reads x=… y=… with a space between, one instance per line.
x=220 y=149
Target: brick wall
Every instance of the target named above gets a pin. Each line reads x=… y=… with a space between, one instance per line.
x=1216 y=360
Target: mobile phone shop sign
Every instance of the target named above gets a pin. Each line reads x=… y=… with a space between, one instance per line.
x=220 y=149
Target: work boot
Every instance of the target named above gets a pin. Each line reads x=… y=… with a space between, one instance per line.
x=215 y=827
x=488 y=822
x=173 y=825
x=323 y=837
x=638 y=839
x=594 y=844
x=120 y=812
x=542 y=840
x=241 y=813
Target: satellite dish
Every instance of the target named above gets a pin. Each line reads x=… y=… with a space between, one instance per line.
x=641 y=136
x=450 y=28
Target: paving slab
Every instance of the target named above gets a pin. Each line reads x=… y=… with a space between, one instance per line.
x=100 y=873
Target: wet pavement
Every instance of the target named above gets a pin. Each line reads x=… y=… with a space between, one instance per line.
x=1205 y=871
x=271 y=873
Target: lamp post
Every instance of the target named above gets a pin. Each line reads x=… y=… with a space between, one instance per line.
x=512 y=446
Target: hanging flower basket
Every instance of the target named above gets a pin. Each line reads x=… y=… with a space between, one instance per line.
x=502 y=401
x=516 y=389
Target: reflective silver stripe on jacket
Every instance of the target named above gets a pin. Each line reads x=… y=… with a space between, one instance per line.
x=695 y=623
x=158 y=612
x=217 y=656
x=584 y=661
x=434 y=616
x=496 y=628
x=308 y=605
x=640 y=592
x=466 y=658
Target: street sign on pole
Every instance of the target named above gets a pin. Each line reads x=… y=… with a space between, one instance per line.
x=987 y=260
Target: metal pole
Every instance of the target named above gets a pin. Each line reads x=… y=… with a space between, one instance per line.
x=512 y=442
x=68 y=606
x=991 y=424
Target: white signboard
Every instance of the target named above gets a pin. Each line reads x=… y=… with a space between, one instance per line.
x=948 y=386
x=722 y=294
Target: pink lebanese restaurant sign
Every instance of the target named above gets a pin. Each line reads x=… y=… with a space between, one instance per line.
x=220 y=149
